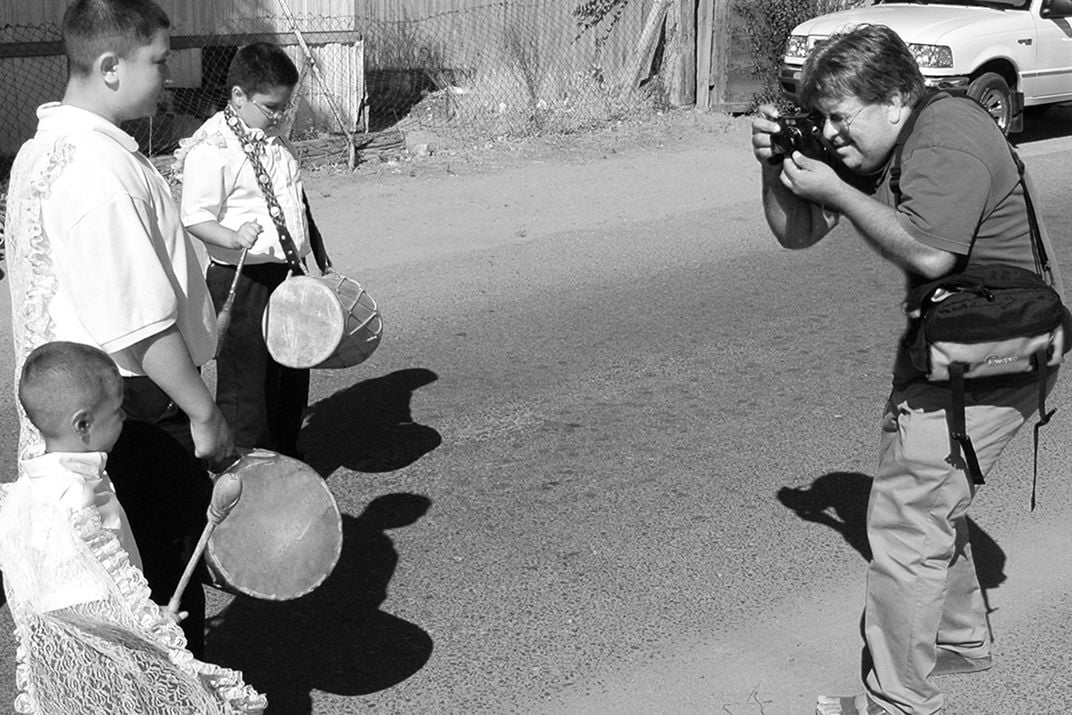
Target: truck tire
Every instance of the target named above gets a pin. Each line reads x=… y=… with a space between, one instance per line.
x=991 y=91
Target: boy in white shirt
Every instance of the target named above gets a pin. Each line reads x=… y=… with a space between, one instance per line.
x=242 y=196
x=90 y=639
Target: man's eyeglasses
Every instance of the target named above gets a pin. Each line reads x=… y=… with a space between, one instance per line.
x=837 y=121
x=272 y=115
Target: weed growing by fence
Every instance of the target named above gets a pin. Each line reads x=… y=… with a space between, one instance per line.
x=771 y=22
x=527 y=72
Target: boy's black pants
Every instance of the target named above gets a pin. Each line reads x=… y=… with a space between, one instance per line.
x=263 y=401
x=165 y=492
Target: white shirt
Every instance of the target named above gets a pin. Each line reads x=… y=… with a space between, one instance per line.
x=115 y=266
x=219 y=184
x=76 y=480
x=51 y=488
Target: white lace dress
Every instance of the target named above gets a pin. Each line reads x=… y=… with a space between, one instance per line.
x=90 y=639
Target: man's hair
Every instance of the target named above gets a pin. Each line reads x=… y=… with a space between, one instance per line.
x=93 y=27
x=61 y=378
x=260 y=67
x=870 y=62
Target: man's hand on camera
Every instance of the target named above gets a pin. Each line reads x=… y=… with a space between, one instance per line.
x=810 y=179
x=762 y=127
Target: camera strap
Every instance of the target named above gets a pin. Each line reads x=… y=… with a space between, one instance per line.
x=906 y=131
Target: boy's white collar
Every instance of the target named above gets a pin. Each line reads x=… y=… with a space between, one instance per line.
x=64 y=118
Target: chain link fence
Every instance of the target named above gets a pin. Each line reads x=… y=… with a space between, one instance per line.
x=498 y=70
x=505 y=69
x=330 y=97
x=32 y=71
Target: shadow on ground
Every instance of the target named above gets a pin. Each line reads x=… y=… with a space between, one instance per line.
x=839 y=500
x=336 y=639
x=368 y=427
x=1044 y=123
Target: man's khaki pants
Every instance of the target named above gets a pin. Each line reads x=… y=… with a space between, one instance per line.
x=922 y=591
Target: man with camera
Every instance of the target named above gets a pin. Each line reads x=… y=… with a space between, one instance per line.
x=929 y=182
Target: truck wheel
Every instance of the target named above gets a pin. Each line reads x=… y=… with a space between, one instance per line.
x=991 y=91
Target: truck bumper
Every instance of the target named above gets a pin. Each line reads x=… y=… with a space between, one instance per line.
x=789 y=79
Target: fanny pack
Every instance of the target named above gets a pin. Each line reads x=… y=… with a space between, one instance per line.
x=987 y=321
x=984 y=322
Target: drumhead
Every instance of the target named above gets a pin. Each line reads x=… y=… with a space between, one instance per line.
x=283 y=537
x=303 y=322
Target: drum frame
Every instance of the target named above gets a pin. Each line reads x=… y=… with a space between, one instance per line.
x=347 y=326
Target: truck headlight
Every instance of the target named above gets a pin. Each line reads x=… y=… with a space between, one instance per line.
x=797 y=47
x=932 y=56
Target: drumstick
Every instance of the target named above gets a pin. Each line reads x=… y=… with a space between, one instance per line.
x=225 y=494
x=224 y=318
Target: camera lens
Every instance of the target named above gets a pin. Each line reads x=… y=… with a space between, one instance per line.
x=793 y=139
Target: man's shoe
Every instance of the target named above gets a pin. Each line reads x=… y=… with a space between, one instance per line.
x=847 y=705
x=950 y=663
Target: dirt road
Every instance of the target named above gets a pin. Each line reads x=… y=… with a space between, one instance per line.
x=560 y=472
x=413 y=215
x=456 y=201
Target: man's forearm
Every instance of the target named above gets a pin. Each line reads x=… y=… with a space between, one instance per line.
x=794 y=221
x=878 y=225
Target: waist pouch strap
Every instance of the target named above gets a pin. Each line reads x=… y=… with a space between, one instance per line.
x=1041 y=364
x=957 y=428
x=957 y=422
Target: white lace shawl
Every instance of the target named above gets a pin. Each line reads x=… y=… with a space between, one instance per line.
x=110 y=651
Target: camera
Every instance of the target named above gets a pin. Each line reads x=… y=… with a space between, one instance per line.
x=800 y=132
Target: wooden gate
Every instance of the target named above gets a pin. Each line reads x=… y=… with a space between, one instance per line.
x=707 y=62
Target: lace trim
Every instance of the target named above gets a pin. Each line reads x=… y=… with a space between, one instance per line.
x=134 y=591
x=215 y=138
x=29 y=246
x=24 y=703
x=24 y=699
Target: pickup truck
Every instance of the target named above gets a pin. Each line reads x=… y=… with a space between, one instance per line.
x=1010 y=55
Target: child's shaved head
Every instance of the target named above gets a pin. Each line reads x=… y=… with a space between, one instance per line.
x=60 y=378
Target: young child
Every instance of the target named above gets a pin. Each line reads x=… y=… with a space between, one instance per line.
x=97 y=255
x=242 y=196
x=90 y=640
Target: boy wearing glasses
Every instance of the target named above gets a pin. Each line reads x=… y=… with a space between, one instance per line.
x=960 y=202
x=240 y=213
